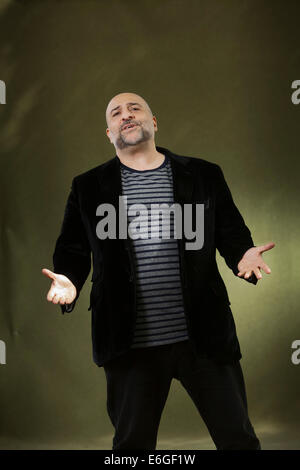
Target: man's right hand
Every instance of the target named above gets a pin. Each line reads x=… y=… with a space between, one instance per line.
x=62 y=289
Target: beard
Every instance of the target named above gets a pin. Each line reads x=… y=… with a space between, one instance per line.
x=142 y=135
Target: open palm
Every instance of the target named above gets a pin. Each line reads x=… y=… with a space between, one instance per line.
x=62 y=290
x=252 y=261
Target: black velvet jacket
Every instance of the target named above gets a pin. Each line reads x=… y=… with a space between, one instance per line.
x=210 y=322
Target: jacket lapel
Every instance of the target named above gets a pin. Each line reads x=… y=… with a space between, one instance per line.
x=109 y=179
x=110 y=183
x=183 y=182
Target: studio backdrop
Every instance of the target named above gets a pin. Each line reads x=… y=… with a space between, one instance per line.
x=222 y=79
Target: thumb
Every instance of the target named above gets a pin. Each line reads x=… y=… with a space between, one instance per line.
x=266 y=247
x=49 y=273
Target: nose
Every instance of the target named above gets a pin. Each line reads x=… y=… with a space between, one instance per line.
x=127 y=116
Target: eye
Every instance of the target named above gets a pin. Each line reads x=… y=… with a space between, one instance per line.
x=115 y=114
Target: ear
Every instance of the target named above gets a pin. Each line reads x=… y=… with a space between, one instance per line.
x=107 y=133
x=155 y=123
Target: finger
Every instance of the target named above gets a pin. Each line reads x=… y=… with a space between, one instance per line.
x=248 y=274
x=49 y=273
x=50 y=295
x=56 y=299
x=266 y=268
x=257 y=273
x=241 y=273
x=266 y=247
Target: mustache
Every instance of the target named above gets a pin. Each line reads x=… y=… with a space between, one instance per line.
x=129 y=122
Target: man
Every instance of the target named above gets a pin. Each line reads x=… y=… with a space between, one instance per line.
x=159 y=310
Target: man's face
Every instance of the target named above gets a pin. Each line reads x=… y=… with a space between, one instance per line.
x=130 y=121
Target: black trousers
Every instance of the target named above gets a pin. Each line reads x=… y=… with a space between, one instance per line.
x=138 y=384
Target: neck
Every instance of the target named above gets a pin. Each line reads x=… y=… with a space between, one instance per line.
x=143 y=156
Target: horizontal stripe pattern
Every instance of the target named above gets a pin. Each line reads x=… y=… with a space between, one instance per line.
x=160 y=310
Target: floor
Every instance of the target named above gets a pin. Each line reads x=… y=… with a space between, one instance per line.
x=270 y=440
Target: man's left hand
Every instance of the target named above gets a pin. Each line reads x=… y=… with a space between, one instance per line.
x=252 y=261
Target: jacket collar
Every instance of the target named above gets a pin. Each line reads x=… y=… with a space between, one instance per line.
x=110 y=183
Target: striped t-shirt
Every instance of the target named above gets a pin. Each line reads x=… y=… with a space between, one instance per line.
x=159 y=302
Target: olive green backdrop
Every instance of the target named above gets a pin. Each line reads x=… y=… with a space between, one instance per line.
x=217 y=75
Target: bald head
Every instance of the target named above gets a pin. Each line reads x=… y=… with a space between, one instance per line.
x=124 y=98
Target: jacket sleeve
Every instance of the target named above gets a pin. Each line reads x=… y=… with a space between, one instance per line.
x=233 y=238
x=72 y=254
